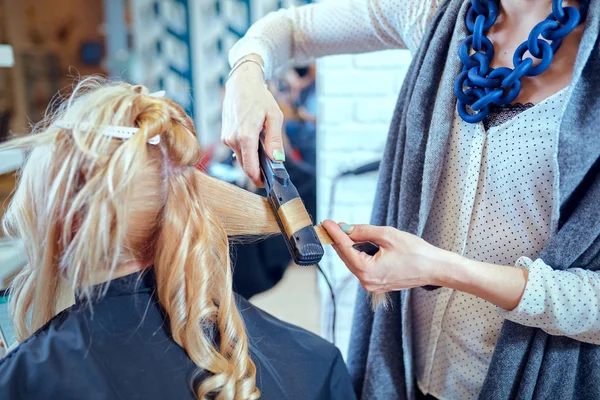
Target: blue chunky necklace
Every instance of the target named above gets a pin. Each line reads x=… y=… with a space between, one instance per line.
x=479 y=85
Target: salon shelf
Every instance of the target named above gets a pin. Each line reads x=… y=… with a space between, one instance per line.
x=12 y=257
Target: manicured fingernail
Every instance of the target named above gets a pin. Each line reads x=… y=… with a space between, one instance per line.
x=347 y=229
x=278 y=155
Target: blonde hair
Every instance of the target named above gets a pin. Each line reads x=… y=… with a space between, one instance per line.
x=87 y=203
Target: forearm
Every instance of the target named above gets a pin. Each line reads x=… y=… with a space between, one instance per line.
x=304 y=33
x=498 y=284
x=563 y=303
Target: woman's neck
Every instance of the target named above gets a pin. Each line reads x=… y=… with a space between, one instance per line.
x=122 y=270
x=516 y=10
x=515 y=21
x=520 y=16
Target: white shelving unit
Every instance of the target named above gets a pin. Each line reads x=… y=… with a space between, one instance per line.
x=182 y=45
x=11 y=251
x=10 y=160
x=12 y=257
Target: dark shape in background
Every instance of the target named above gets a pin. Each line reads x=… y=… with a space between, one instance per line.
x=258 y=267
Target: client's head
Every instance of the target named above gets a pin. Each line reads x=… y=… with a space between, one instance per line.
x=90 y=207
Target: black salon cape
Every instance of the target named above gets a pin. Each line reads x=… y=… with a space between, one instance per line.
x=124 y=351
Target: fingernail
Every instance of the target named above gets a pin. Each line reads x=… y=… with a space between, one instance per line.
x=278 y=155
x=347 y=229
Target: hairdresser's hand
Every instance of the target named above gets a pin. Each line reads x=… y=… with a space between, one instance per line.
x=403 y=261
x=249 y=107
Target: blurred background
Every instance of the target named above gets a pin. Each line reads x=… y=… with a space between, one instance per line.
x=337 y=112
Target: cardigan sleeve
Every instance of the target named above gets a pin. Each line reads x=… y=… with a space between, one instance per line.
x=300 y=34
x=563 y=303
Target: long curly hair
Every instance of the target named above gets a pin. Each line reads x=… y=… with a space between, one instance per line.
x=87 y=204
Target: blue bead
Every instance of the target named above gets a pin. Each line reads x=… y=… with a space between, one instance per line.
x=479 y=7
x=517 y=73
x=458 y=89
x=574 y=17
x=489 y=48
x=463 y=52
x=547 y=55
x=489 y=98
x=558 y=11
x=511 y=96
x=478 y=32
x=492 y=15
x=482 y=81
x=513 y=92
x=537 y=30
x=484 y=65
x=490 y=18
x=472 y=118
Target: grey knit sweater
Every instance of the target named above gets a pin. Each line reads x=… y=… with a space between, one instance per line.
x=527 y=362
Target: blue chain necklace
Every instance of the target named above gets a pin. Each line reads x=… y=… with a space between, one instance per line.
x=479 y=85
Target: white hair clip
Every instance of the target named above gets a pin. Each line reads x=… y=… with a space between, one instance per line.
x=118 y=132
x=160 y=93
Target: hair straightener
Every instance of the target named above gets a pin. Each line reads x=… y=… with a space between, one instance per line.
x=300 y=236
x=304 y=242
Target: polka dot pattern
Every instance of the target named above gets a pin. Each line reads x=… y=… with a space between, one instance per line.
x=301 y=34
x=493 y=204
x=559 y=302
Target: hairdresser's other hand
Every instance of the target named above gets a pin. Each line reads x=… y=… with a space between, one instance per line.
x=403 y=260
x=249 y=107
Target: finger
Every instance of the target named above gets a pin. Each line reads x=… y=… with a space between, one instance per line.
x=337 y=234
x=249 y=155
x=354 y=259
x=273 y=140
x=342 y=255
x=369 y=233
x=237 y=154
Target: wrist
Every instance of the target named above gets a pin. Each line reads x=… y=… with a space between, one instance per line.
x=253 y=56
x=250 y=66
x=451 y=270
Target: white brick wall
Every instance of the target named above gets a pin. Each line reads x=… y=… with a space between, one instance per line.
x=356 y=96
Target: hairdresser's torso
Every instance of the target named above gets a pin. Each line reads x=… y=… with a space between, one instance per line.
x=496 y=173
x=123 y=350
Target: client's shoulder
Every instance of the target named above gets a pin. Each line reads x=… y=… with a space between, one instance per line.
x=289 y=357
x=52 y=337
x=268 y=333
x=48 y=355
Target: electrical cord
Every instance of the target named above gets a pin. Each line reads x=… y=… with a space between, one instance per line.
x=370 y=167
x=329 y=260
x=331 y=291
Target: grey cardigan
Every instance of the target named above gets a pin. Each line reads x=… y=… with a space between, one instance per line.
x=527 y=362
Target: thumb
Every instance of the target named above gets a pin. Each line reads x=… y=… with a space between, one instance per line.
x=273 y=140
x=380 y=235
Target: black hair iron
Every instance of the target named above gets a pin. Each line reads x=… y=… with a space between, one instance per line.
x=301 y=238
x=296 y=225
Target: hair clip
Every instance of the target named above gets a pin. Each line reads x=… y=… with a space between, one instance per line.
x=118 y=132
x=160 y=93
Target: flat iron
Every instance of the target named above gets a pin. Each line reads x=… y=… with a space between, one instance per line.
x=304 y=242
